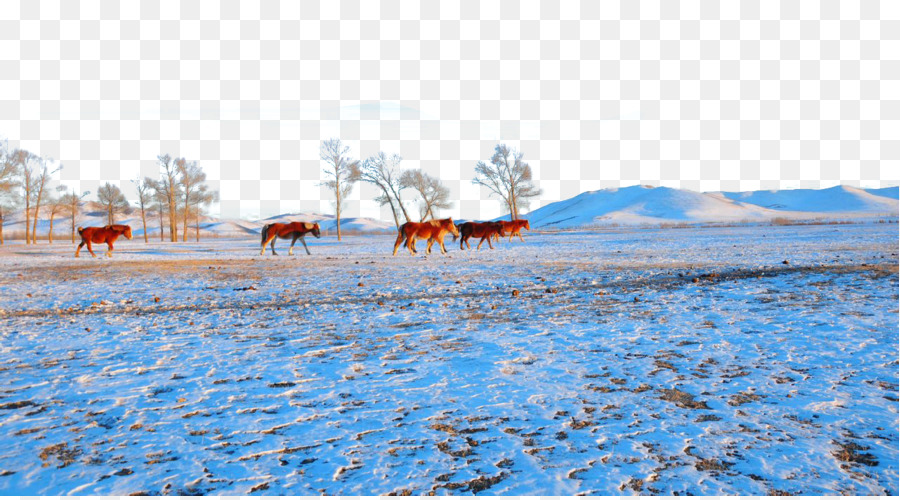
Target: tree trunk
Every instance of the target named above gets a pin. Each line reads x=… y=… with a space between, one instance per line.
x=162 y=229
x=337 y=206
x=198 y=225
x=50 y=234
x=1 y=225
x=144 y=220
x=173 y=213
x=27 y=220
x=185 y=215
x=393 y=209
x=73 y=226
x=400 y=202
x=37 y=213
x=109 y=215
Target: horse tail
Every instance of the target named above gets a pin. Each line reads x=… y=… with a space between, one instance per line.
x=265 y=233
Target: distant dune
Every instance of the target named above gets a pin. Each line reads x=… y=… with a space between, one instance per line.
x=661 y=205
x=633 y=205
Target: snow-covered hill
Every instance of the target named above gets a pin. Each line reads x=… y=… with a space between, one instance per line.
x=835 y=199
x=93 y=215
x=329 y=222
x=633 y=205
x=661 y=205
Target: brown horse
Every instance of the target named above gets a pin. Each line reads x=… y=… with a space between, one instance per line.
x=514 y=228
x=433 y=230
x=483 y=230
x=105 y=234
x=291 y=230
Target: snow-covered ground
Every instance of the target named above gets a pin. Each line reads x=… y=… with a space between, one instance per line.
x=751 y=360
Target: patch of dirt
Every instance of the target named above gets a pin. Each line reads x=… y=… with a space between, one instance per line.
x=850 y=452
x=61 y=451
x=682 y=399
x=743 y=398
x=478 y=484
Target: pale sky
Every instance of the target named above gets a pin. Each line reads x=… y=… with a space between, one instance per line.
x=695 y=94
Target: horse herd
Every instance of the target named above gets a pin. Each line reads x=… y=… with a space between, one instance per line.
x=432 y=231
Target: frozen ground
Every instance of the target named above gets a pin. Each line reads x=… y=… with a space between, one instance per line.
x=680 y=361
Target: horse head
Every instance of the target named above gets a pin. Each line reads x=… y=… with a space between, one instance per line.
x=127 y=232
x=450 y=226
x=315 y=230
x=527 y=225
x=499 y=226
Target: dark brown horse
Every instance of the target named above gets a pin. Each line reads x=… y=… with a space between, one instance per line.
x=105 y=234
x=433 y=230
x=514 y=228
x=290 y=230
x=483 y=230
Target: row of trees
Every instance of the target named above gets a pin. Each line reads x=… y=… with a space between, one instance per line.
x=383 y=171
x=506 y=175
x=177 y=195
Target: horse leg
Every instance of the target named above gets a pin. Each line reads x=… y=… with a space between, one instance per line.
x=78 y=250
x=291 y=251
x=411 y=244
x=271 y=243
x=428 y=247
x=519 y=234
x=266 y=243
x=109 y=248
x=485 y=237
x=399 y=241
x=303 y=240
x=443 y=248
x=91 y=249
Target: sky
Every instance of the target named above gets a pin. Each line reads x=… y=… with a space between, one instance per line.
x=694 y=94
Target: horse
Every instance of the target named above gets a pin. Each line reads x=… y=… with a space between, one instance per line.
x=293 y=230
x=483 y=230
x=514 y=228
x=433 y=230
x=105 y=234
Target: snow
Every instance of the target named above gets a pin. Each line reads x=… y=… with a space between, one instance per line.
x=647 y=205
x=835 y=199
x=209 y=226
x=653 y=361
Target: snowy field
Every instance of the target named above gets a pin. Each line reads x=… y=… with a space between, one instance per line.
x=679 y=361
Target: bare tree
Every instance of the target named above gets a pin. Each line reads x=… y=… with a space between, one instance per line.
x=434 y=195
x=381 y=170
x=41 y=179
x=168 y=186
x=111 y=197
x=72 y=203
x=191 y=180
x=55 y=206
x=8 y=182
x=32 y=174
x=159 y=205
x=144 y=189
x=507 y=176
x=202 y=197
x=339 y=173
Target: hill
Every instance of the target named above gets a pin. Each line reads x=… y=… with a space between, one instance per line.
x=635 y=205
